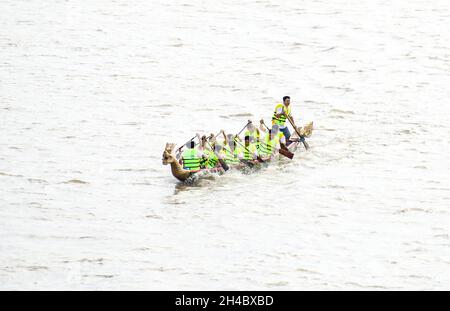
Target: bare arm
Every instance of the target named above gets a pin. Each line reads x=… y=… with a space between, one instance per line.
x=199 y=139
x=224 y=136
x=279 y=115
x=261 y=125
x=282 y=113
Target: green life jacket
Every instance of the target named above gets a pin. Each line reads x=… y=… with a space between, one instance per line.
x=191 y=159
x=249 y=151
x=231 y=158
x=282 y=119
x=212 y=160
x=203 y=160
x=268 y=146
x=255 y=135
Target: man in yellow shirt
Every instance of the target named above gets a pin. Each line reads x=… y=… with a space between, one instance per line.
x=282 y=111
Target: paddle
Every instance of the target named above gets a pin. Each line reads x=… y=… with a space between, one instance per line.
x=209 y=137
x=282 y=151
x=244 y=127
x=286 y=153
x=179 y=149
x=302 y=138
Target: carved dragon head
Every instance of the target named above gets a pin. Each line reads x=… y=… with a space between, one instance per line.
x=167 y=156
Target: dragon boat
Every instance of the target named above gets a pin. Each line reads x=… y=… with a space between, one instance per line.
x=169 y=158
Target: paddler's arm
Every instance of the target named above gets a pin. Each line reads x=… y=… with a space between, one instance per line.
x=283 y=113
x=200 y=153
x=198 y=137
x=204 y=156
x=279 y=112
x=211 y=139
x=220 y=157
x=261 y=125
x=224 y=137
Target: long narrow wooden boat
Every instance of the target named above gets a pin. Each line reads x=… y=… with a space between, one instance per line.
x=190 y=175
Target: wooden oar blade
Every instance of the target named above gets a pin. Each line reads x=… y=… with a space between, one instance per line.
x=286 y=153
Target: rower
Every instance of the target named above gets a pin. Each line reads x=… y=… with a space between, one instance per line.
x=268 y=145
x=230 y=151
x=253 y=133
x=281 y=139
x=191 y=157
x=203 y=147
x=279 y=136
x=279 y=117
x=250 y=152
x=210 y=159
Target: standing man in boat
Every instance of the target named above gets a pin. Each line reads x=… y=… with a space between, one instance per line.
x=279 y=117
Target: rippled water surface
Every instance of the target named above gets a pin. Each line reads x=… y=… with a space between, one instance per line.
x=90 y=92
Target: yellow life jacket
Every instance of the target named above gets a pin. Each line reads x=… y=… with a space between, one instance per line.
x=202 y=159
x=255 y=135
x=231 y=158
x=212 y=160
x=249 y=152
x=282 y=119
x=268 y=145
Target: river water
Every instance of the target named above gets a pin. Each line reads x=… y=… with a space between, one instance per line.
x=90 y=92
